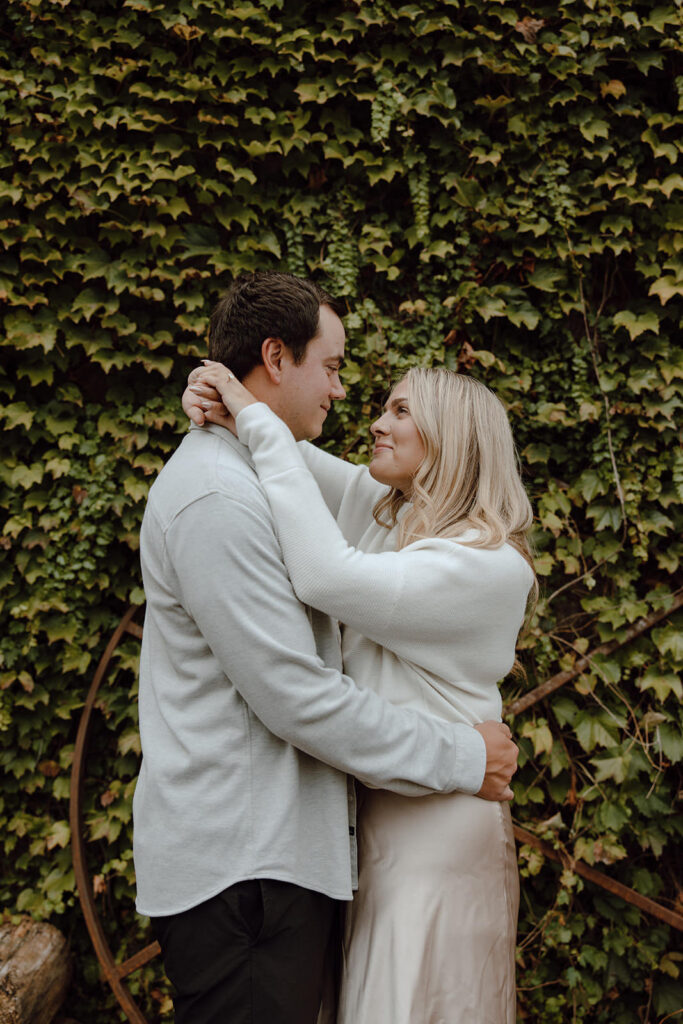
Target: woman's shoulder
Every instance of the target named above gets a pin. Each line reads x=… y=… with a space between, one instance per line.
x=464 y=553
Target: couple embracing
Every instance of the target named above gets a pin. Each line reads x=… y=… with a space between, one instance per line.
x=325 y=775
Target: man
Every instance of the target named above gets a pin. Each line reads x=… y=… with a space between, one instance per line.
x=244 y=822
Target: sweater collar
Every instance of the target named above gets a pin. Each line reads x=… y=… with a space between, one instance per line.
x=227 y=437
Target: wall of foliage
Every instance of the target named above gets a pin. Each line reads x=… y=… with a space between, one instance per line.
x=490 y=186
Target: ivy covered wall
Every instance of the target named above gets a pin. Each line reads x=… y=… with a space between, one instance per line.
x=490 y=186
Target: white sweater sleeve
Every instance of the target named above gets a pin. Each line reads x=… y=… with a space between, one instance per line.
x=341 y=482
x=402 y=600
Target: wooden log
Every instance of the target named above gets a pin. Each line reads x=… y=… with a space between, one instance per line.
x=35 y=971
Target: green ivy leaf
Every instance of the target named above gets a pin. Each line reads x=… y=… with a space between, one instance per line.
x=665 y=288
x=545 y=278
x=663 y=683
x=591 y=733
x=637 y=325
x=17 y=414
x=59 y=835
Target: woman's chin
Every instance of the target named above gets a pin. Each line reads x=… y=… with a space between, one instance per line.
x=377 y=474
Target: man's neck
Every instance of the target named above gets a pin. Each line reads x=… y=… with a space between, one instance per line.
x=263 y=389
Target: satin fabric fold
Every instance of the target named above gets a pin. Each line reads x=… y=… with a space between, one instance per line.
x=430 y=935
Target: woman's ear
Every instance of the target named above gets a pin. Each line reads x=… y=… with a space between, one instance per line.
x=272 y=353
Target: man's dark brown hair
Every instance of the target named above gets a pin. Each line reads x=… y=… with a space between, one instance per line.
x=266 y=305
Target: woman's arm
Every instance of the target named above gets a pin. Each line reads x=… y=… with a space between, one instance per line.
x=335 y=477
x=402 y=600
x=325 y=570
x=341 y=481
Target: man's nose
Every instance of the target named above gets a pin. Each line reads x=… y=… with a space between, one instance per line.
x=338 y=390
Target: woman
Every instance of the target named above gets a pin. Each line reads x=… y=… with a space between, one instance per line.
x=430 y=579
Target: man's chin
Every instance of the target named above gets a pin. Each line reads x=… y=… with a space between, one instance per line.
x=308 y=433
x=317 y=427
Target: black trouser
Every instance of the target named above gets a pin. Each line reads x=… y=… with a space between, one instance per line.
x=254 y=954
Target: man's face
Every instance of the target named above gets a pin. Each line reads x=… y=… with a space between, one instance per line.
x=307 y=391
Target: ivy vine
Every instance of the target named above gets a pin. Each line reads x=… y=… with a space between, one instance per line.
x=490 y=190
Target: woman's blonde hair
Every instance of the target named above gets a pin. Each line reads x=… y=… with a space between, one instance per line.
x=469 y=476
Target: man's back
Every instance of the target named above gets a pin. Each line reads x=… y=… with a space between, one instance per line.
x=221 y=797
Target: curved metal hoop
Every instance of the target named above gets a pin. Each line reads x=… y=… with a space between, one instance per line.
x=115 y=973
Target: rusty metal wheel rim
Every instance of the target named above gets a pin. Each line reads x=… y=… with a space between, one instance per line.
x=113 y=972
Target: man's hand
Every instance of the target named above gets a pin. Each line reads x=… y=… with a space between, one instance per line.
x=501 y=761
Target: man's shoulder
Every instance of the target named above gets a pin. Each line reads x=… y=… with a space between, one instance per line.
x=205 y=464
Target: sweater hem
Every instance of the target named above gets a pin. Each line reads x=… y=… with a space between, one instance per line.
x=276 y=876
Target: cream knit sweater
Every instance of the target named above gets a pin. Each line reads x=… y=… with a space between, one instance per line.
x=431 y=626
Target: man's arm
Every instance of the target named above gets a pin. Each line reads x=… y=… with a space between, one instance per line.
x=234 y=585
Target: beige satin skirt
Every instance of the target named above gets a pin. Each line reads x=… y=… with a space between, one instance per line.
x=430 y=935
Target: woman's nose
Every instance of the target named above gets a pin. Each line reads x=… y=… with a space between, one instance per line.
x=378 y=427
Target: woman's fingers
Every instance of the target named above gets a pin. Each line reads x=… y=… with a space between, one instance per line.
x=234 y=394
x=205 y=391
x=214 y=381
x=215 y=412
x=191 y=403
x=194 y=375
x=217 y=377
x=206 y=410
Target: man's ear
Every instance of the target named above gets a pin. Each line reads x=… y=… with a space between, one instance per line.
x=272 y=353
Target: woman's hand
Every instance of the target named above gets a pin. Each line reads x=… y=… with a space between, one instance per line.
x=215 y=395
x=204 y=405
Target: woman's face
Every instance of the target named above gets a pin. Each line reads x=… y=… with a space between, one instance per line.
x=399 y=449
